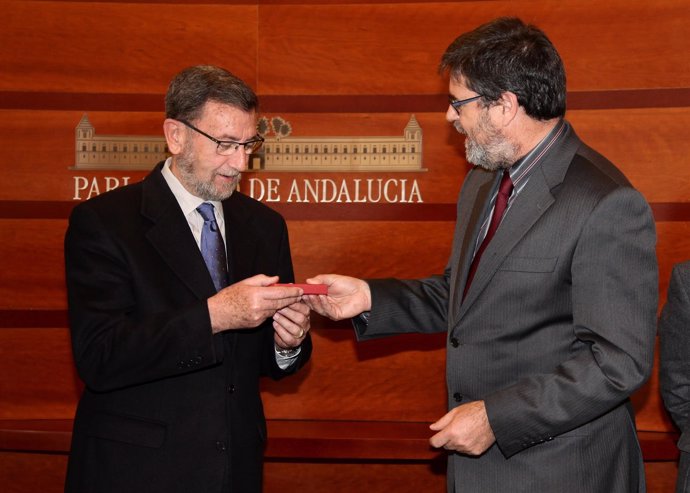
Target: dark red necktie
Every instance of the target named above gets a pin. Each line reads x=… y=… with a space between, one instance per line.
x=504 y=191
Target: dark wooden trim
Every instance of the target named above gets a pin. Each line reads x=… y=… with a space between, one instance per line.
x=34 y=209
x=308 y=439
x=33 y=319
x=58 y=319
x=259 y=3
x=366 y=103
x=52 y=209
x=671 y=211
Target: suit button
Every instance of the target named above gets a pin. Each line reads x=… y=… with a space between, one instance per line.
x=231 y=389
x=454 y=342
x=457 y=397
x=220 y=446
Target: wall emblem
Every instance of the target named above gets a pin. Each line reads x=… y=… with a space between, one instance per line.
x=281 y=152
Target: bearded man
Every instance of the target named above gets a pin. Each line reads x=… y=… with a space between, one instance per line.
x=172 y=316
x=549 y=296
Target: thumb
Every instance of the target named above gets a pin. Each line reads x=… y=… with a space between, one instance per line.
x=326 y=279
x=443 y=422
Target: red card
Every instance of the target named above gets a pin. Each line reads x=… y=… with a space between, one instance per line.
x=309 y=288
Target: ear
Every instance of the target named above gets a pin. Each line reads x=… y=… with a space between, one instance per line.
x=509 y=107
x=175 y=135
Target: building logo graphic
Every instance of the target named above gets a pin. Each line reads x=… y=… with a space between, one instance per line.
x=115 y=152
x=280 y=152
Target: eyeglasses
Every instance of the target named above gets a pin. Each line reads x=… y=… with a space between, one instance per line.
x=229 y=147
x=457 y=103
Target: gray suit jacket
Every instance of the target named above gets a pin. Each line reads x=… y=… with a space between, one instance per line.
x=557 y=329
x=674 y=374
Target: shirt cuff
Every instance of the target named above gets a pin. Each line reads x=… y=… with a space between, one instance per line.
x=286 y=359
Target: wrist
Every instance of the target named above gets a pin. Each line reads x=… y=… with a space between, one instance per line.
x=286 y=352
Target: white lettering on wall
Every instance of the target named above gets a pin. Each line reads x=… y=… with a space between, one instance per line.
x=328 y=190
x=85 y=188
x=300 y=191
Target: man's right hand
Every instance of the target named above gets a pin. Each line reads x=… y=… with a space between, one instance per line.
x=347 y=296
x=249 y=302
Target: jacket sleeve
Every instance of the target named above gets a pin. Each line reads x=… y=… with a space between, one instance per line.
x=406 y=306
x=269 y=365
x=125 y=332
x=674 y=338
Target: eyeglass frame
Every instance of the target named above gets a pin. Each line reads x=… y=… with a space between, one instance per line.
x=457 y=103
x=253 y=140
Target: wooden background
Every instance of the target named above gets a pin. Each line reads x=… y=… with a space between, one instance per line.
x=357 y=416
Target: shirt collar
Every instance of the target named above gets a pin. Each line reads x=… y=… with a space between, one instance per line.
x=188 y=202
x=524 y=166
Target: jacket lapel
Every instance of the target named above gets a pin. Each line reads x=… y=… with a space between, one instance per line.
x=473 y=207
x=171 y=237
x=534 y=200
x=241 y=243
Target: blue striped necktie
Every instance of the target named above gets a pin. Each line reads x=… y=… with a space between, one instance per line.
x=212 y=247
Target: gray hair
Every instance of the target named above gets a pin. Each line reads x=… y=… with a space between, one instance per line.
x=192 y=88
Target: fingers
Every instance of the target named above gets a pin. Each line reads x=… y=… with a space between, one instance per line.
x=465 y=429
x=317 y=303
x=439 y=440
x=250 y=302
x=291 y=324
x=442 y=422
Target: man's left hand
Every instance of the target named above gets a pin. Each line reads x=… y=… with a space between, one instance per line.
x=291 y=325
x=465 y=429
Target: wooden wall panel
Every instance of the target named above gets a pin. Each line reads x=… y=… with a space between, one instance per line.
x=364 y=249
x=37 y=376
x=345 y=478
x=394 y=48
x=393 y=379
x=40 y=150
x=31 y=473
x=673 y=246
x=94 y=47
x=348 y=69
x=650 y=145
x=32 y=275
x=18 y=475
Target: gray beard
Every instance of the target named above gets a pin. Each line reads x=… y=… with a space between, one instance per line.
x=490 y=157
x=497 y=153
x=203 y=190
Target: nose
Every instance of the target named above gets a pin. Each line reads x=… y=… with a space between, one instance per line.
x=239 y=160
x=451 y=114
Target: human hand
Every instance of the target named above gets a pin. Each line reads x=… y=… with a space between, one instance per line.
x=249 y=302
x=291 y=325
x=465 y=429
x=346 y=298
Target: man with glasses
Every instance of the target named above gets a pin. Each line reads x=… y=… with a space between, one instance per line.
x=550 y=294
x=172 y=314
